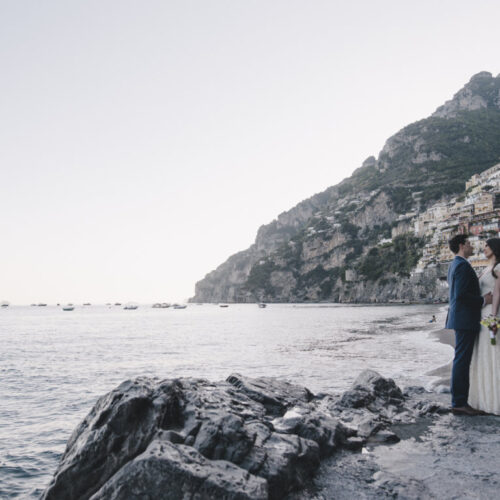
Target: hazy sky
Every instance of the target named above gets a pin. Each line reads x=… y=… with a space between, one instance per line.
x=144 y=142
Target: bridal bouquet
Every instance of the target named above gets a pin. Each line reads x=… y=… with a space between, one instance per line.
x=493 y=325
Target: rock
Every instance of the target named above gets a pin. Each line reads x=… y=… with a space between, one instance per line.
x=238 y=439
x=120 y=426
x=383 y=437
x=430 y=407
x=118 y=442
x=370 y=426
x=170 y=471
x=371 y=389
x=354 y=443
x=325 y=430
x=274 y=394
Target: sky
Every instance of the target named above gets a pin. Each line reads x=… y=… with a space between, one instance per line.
x=144 y=142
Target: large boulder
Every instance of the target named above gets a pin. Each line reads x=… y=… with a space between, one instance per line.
x=238 y=439
x=151 y=435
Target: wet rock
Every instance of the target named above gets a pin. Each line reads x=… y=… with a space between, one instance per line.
x=237 y=439
x=423 y=408
x=371 y=389
x=209 y=425
x=383 y=436
x=171 y=471
x=354 y=443
x=276 y=395
x=323 y=429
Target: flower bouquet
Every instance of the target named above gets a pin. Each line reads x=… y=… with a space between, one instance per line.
x=493 y=325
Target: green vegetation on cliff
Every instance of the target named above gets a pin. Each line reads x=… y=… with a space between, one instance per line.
x=398 y=257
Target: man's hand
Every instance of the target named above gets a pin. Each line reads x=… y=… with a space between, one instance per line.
x=488 y=298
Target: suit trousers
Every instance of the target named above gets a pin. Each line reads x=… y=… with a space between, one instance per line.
x=464 y=345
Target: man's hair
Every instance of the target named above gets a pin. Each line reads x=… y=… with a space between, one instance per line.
x=456 y=241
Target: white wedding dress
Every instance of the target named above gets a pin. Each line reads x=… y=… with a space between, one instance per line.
x=484 y=391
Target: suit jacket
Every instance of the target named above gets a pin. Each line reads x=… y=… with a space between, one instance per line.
x=466 y=301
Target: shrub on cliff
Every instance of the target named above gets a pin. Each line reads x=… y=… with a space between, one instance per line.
x=400 y=258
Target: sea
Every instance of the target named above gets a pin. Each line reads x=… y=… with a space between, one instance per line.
x=54 y=364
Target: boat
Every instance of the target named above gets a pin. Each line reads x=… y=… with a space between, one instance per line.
x=262 y=305
x=131 y=307
x=41 y=304
x=4 y=304
x=178 y=306
x=223 y=305
x=68 y=308
x=87 y=304
x=161 y=305
x=118 y=304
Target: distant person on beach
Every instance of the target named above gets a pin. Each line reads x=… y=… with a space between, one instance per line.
x=433 y=319
x=464 y=315
x=484 y=392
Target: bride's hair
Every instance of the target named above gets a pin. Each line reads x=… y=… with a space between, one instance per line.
x=494 y=244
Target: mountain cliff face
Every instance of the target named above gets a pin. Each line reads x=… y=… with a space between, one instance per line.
x=331 y=247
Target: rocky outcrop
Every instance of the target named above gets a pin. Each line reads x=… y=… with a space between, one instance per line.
x=239 y=439
x=482 y=91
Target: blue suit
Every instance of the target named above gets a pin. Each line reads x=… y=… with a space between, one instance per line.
x=464 y=315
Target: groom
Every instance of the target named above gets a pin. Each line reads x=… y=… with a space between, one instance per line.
x=464 y=315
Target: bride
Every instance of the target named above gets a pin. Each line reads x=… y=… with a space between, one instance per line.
x=484 y=391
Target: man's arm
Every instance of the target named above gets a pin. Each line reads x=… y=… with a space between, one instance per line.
x=463 y=281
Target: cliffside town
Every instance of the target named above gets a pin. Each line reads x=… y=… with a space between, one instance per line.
x=381 y=235
x=476 y=212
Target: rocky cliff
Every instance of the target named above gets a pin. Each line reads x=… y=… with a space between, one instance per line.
x=351 y=243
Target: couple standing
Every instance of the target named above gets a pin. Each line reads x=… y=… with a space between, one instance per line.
x=475 y=374
x=476 y=367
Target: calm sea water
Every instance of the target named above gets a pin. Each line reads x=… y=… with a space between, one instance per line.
x=55 y=364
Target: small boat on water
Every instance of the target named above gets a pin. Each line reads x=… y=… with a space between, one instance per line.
x=87 y=304
x=41 y=304
x=131 y=307
x=68 y=308
x=223 y=305
x=179 y=306
x=4 y=304
x=262 y=305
